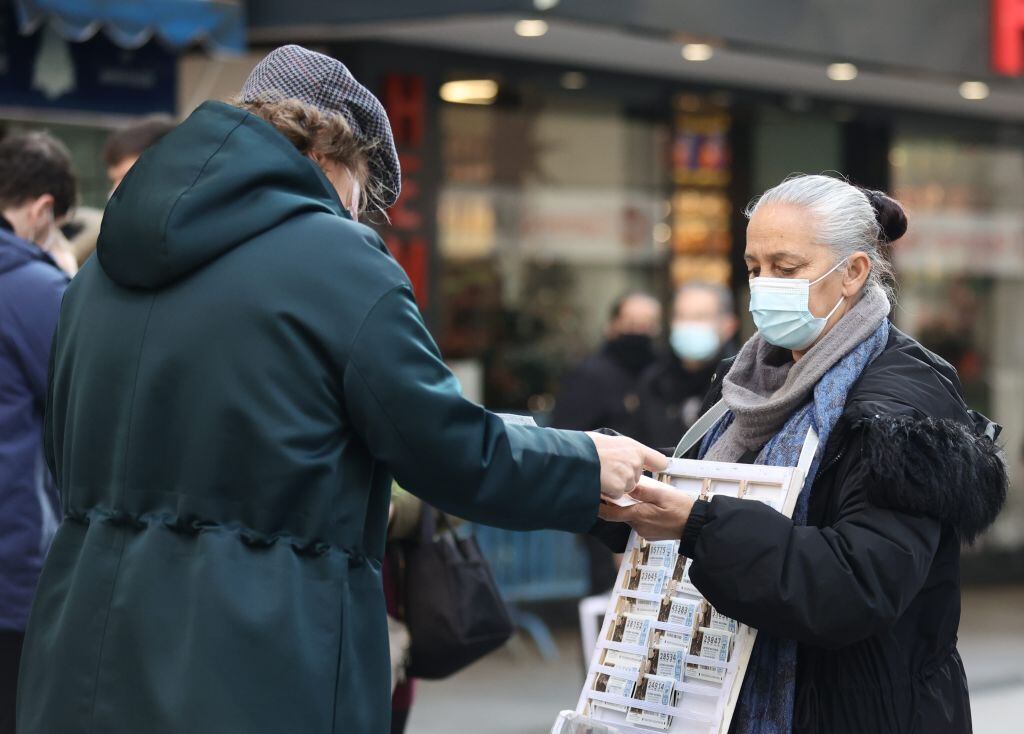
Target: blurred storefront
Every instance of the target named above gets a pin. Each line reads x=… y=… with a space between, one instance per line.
x=557 y=154
x=81 y=68
x=961 y=271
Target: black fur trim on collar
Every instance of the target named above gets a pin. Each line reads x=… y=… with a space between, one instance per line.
x=935 y=467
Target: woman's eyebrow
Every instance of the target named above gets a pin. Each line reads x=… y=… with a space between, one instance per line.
x=776 y=256
x=785 y=255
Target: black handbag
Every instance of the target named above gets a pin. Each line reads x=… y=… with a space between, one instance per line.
x=453 y=609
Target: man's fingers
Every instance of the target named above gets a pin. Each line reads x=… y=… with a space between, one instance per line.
x=653 y=460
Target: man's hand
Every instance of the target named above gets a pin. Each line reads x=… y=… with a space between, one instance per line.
x=660 y=514
x=623 y=461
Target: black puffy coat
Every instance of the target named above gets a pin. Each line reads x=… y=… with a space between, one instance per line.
x=870 y=587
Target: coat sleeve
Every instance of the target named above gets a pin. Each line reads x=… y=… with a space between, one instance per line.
x=409 y=410
x=825 y=586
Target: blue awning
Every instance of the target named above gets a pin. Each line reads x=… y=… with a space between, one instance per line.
x=131 y=23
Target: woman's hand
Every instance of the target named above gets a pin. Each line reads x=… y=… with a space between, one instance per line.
x=623 y=461
x=660 y=513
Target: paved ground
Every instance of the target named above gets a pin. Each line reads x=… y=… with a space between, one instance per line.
x=515 y=692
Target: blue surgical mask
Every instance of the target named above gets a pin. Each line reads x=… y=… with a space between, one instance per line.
x=780 y=307
x=694 y=340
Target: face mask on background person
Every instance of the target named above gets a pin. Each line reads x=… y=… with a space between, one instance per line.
x=694 y=340
x=781 y=311
x=632 y=351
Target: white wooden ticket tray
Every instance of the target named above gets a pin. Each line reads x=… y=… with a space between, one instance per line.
x=697 y=705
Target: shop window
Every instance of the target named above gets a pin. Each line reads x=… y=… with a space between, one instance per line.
x=549 y=210
x=961 y=273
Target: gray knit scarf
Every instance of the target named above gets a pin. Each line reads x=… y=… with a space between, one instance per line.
x=764 y=386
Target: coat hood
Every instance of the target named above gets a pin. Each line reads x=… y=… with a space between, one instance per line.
x=216 y=181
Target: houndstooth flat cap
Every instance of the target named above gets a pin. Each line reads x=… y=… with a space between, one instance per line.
x=295 y=72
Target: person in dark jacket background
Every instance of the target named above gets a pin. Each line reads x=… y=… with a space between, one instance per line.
x=857 y=597
x=237 y=377
x=37 y=189
x=601 y=391
x=672 y=389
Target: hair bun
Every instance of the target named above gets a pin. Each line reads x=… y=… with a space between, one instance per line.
x=889 y=214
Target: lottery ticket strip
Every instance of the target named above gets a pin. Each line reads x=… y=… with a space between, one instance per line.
x=666 y=660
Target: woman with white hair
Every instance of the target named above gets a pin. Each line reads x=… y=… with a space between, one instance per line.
x=857 y=597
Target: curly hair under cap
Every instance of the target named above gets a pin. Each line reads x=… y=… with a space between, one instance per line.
x=315 y=132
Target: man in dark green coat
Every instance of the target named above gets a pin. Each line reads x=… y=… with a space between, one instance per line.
x=234 y=382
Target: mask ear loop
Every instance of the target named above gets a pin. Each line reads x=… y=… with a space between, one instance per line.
x=834 y=268
x=841 y=298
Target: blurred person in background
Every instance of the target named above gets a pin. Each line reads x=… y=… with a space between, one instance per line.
x=672 y=389
x=81 y=232
x=405 y=516
x=601 y=391
x=37 y=189
x=856 y=598
x=125 y=145
x=238 y=376
x=60 y=250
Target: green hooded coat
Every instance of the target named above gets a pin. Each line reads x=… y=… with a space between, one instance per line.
x=234 y=382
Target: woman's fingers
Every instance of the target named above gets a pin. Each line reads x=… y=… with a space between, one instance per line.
x=612 y=513
x=661 y=519
x=653 y=491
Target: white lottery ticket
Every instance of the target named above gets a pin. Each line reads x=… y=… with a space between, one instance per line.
x=646 y=608
x=652 y=579
x=670 y=663
x=658 y=690
x=637 y=630
x=714 y=644
x=721 y=622
x=678 y=640
x=617 y=687
x=683 y=611
x=625 y=660
x=663 y=553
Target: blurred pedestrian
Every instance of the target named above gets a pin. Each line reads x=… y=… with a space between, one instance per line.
x=404 y=518
x=126 y=144
x=37 y=189
x=672 y=389
x=237 y=377
x=81 y=231
x=601 y=391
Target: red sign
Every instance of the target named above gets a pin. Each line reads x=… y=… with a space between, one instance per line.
x=1008 y=37
x=405 y=103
